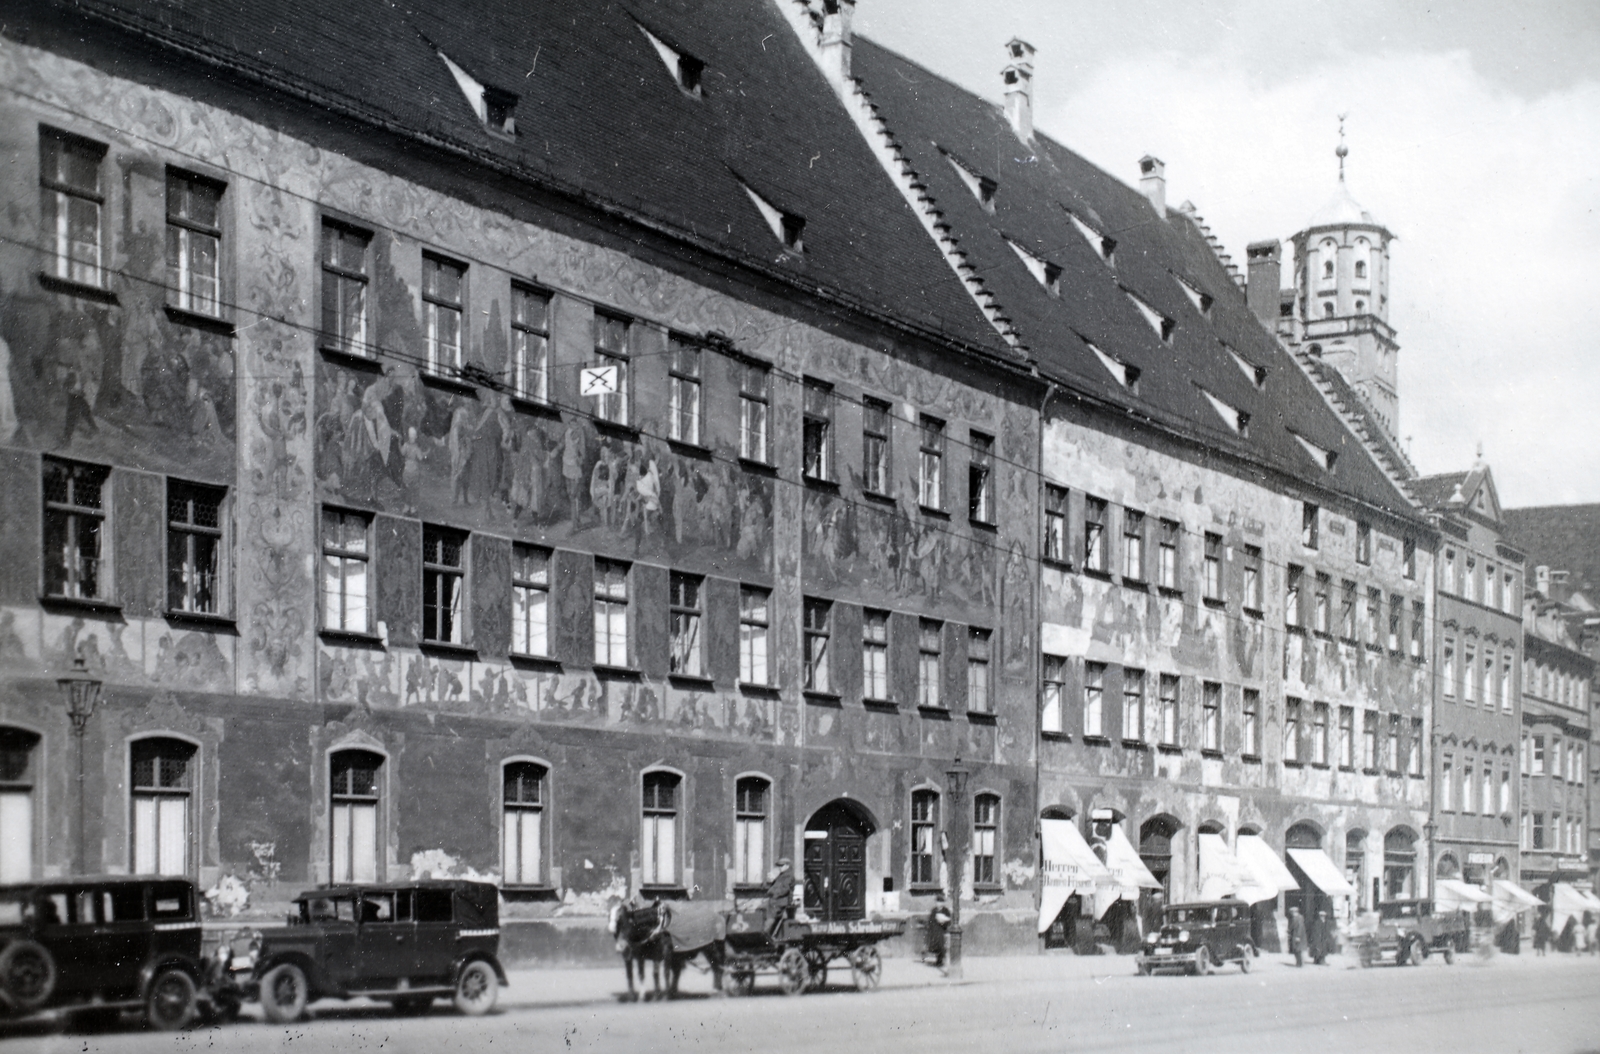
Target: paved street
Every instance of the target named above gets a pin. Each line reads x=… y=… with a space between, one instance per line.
x=1013 y=1005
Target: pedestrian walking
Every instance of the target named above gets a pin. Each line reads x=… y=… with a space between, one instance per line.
x=937 y=929
x=1297 y=936
x=1591 y=930
x=1541 y=932
x=1321 y=938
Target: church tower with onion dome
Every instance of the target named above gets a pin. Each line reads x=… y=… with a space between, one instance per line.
x=1338 y=308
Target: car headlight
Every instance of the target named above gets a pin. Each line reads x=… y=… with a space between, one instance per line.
x=1183 y=935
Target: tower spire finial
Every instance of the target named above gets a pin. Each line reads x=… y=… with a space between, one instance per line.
x=1341 y=151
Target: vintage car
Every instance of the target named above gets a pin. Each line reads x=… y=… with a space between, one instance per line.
x=1408 y=931
x=1197 y=937
x=104 y=945
x=407 y=944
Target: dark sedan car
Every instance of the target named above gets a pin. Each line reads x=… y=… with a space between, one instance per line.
x=103 y=944
x=408 y=944
x=1197 y=937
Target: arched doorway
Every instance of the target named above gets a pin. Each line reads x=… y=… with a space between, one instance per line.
x=1400 y=864
x=836 y=860
x=1155 y=849
x=1308 y=898
x=1447 y=867
x=1355 y=866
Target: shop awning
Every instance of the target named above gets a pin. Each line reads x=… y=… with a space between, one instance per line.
x=1511 y=900
x=1127 y=873
x=1221 y=873
x=1271 y=875
x=1322 y=872
x=1452 y=894
x=1070 y=866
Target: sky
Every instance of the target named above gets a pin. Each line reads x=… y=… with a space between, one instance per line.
x=1474 y=135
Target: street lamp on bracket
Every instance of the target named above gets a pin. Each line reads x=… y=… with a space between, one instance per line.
x=955 y=779
x=82 y=692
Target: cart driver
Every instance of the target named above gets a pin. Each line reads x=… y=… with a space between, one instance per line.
x=780 y=895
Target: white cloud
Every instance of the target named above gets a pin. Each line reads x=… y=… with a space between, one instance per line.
x=1494 y=197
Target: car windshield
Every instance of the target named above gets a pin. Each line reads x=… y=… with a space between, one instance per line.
x=1400 y=911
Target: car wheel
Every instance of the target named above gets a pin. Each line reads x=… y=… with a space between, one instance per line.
x=476 y=989
x=284 y=993
x=27 y=974
x=1202 y=961
x=412 y=1005
x=866 y=968
x=1244 y=958
x=1416 y=953
x=170 y=1003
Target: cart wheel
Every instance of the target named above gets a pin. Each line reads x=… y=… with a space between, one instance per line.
x=817 y=963
x=741 y=979
x=793 y=973
x=1417 y=953
x=866 y=968
x=1202 y=960
x=1244 y=958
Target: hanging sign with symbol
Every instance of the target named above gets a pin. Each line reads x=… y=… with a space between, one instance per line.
x=598 y=380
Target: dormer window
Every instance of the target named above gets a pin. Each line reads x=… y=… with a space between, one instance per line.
x=685 y=68
x=1324 y=457
x=1105 y=247
x=499 y=109
x=1256 y=374
x=1163 y=325
x=1127 y=376
x=786 y=226
x=1236 y=419
x=982 y=187
x=1202 y=301
x=1044 y=272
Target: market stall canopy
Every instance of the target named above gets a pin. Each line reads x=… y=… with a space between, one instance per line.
x=1271 y=875
x=1070 y=866
x=1452 y=894
x=1127 y=874
x=1322 y=872
x=1511 y=900
x=1221 y=873
x=1567 y=901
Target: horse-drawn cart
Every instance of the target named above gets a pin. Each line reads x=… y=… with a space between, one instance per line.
x=799 y=953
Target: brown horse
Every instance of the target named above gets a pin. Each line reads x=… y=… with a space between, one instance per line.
x=641 y=934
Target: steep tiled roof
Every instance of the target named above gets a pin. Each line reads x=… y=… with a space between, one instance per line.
x=1042 y=188
x=600 y=117
x=1561 y=537
x=1433 y=492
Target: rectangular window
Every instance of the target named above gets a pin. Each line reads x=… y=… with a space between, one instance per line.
x=1053 y=695
x=1447 y=667
x=530 y=600
x=875 y=464
x=818 y=616
x=817 y=424
x=162 y=785
x=1347 y=610
x=69 y=185
x=1397 y=608
x=1486 y=798
x=980 y=699
x=1447 y=783
x=1291 y=595
x=1169 y=710
x=1538 y=830
x=1391 y=751
x=1488 y=677
x=1414 y=751
x=194 y=547
x=613 y=347
x=750 y=832
x=1055 y=523
x=1538 y=755
x=875 y=654
x=1508 y=593
x=530 y=343
x=1252 y=723
x=1491 y=582
x=685 y=656
x=74 y=529
x=1447 y=582
x=1408 y=558
x=346 y=585
x=1094 y=678
x=344 y=289
x=658 y=836
x=1419 y=611
x=1320 y=605
x=443 y=585
x=194 y=242
x=1466 y=785
x=1252 y=578
x=930 y=477
x=1319 y=733
x=1133 y=545
x=1469 y=673
x=1347 y=737
x=1211 y=713
x=1291 y=729
x=754 y=623
x=1168 y=575
x=930 y=663
x=1094 y=535
x=610 y=613
x=353 y=802
x=1363 y=542
x=443 y=284
x=1310 y=516
x=1469 y=578
x=924 y=837
x=980 y=479
x=683 y=391
x=753 y=381
x=1133 y=704
x=1369 y=740
x=1213 y=567
x=1374 y=617
x=985 y=829
x=522 y=823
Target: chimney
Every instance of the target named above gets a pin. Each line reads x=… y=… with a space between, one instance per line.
x=1263 y=287
x=1541 y=580
x=1153 y=182
x=1018 y=78
x=837 y=16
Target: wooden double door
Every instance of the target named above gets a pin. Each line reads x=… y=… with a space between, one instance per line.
x=836 y=864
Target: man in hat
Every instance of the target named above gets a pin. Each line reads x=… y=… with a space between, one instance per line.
x=780 y=894
x=939 y=918
x=1297 y=936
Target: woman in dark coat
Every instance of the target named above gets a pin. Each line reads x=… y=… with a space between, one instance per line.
x=1297 y=936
